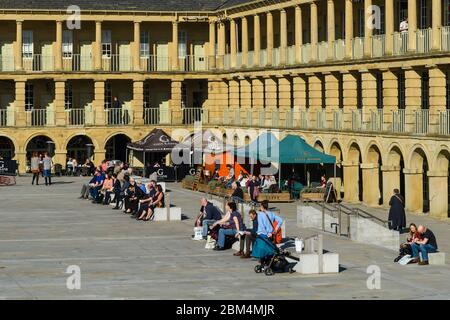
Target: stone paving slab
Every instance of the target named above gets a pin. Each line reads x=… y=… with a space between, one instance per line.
x=43 y=230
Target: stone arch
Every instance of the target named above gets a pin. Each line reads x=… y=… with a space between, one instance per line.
x=76 y=134
x=318 y=145
x=8 y=147
x=372 y=176
x=416 y=181
x=353 y=187
x=37 y=134
x=439 y=184
x=115 y=147
x=77 y=147
x=336 y=150
x=393 y=172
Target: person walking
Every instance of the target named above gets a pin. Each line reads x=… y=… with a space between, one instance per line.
x=397 y=216
x=48 y=164
x=34 y=166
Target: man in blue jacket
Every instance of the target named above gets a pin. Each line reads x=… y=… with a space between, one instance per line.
x=208 y=215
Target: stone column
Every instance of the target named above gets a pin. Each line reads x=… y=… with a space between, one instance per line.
x=269 y=50
x=234 y=93
x=438 y=182
x=389 y=23
x=351 y=181
x=98 y=46
x=99 y=155
x=60 y=112
x=221 y=45
x=138 y=103
x=174 y=55
x=412 y=25
x=246 y=93
x=299 y=92
x=315 y=92
x=314 y=31
x=348 y=29
x=258 y=93
x=18 y=48
x=244 y=42
x=437 y=24
x=331 y=27
x=283 y=37
x=413 y=96
x=369 y=94
x=99 y=103
x=371 y=187
x=212 y=45
x=331 y=96
x=298 y=34
x=390 y=95
x=438 y=93
x=60 y=157
x=257 y=39
x=19 y=104
x=137 y=47
x=21 y=158
x=391 y=181
x=233 y=48
x=350 y=96
x=284 y=98
x=271 y=93
x=175 y=102
x=413 y=190
x=367 y=31
x=58 y=46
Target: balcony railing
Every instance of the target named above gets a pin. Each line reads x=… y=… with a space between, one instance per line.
x=376 y=120
x=227 y=61
x=445 y=38
x=276 y=57
x=339 y=49
x=421 y=121
x=195 y=63
x=37 y=117
x=400 y=43
x=321 y=119
x=191 y=115
x=358 y=48
x=116 y=63
x=263 y=58
x=398 y=121
x=424 y=40
x=378 y=46
x=3 y=117
x=117 y=117
x=303 y=121
x=151 y=116
x=75 y=117
x=6 y=63
x=306 y=53
x=338 y=119
x=38 y=62
x=322 y=51
x=444 y=122
x=155 y=63
x=290 y=55
x=357 y=120
x=77 y=62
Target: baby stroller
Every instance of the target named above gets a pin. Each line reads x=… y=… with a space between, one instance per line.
x=272 y=259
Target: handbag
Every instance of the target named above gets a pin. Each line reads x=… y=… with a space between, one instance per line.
x=210 y=243
x=277 y=236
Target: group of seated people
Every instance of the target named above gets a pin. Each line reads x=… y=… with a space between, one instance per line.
x=264 y=224
x=420 y=240
x=135 y=198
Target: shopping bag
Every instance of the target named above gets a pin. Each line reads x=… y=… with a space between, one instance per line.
x=210 y=243
x=198 y=235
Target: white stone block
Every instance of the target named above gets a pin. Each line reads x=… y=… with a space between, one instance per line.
x=437 y=258
x=236 y=246
x=160 y=214
x=308 y=264
x=330 y=263
x=175 y=214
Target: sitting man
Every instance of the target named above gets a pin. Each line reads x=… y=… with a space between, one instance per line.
x=230 y=178
x=209 y=214
x=425 y=245
x=238 y=194
x=97 y=185
x=86 y=188
x=248 y=237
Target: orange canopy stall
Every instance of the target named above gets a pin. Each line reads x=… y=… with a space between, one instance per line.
x=223 y=159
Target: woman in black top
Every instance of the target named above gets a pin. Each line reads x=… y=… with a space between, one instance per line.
x=156 y=202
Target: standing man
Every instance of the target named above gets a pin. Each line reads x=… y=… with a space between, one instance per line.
x=48 y=165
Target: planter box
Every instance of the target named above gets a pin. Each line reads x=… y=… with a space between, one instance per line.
x=312 y=197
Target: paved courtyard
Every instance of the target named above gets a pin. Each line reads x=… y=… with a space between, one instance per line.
x=44 y=230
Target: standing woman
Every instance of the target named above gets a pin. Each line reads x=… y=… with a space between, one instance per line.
x=34 y=166
x=48 y=164
x=397 y=216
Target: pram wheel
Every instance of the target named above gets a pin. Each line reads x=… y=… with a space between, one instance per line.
x=268 y=272
x=258 y=269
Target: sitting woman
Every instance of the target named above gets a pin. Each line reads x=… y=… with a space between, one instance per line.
x=230 y=225
x=134 y=194
x=157 y=201
x=405 y=248
x=107 y=188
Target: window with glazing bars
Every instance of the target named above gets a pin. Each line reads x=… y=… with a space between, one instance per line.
x=145 y=44
x=108 y=95
x=29 y=96
x=146 y=95
x=447 y=89
x=68 y=97
x=27 y=44
x=379 y=79
x=359 y=103
x=401 y=90
x=184 y=98
x=425 y=90
x=67 y=44
x=106 y=43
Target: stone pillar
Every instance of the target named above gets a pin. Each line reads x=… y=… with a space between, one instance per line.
x=137 y=47
x=391 y=181
x=412 y=25
x=413 y=190
x=221 y=45
x=258 y=93
x=58 y=46
x=331 y=96
x=246 y=93
x=298 y=34
x=269 y=50
x=315 y=92
x=371 y=187
x=299 y=84
x=212 y=45
x=138 y=103
x=413 y=96
x=233 y=48
x=284 y=93
x=369 y=94
x=257 y=39
x=438 y=93
x=175 y=102
x=21 y=158
x=99 y=155
x=283 y=37
x=244 y=42
x=314 y=31
x=98 y=46
x=390 y=95
x=234 y=93
x=60 y=157
x=60 y=112
x=351 y=181
x=389 y=24
x=174 y=55
x=99 y=103
x=18 y=48
x=350 y=96
x=271 y=93
x=348 y=29
x=331 y=27
x=367 y=31
x=19 y=103
x=436 y=24
x=438 y=184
